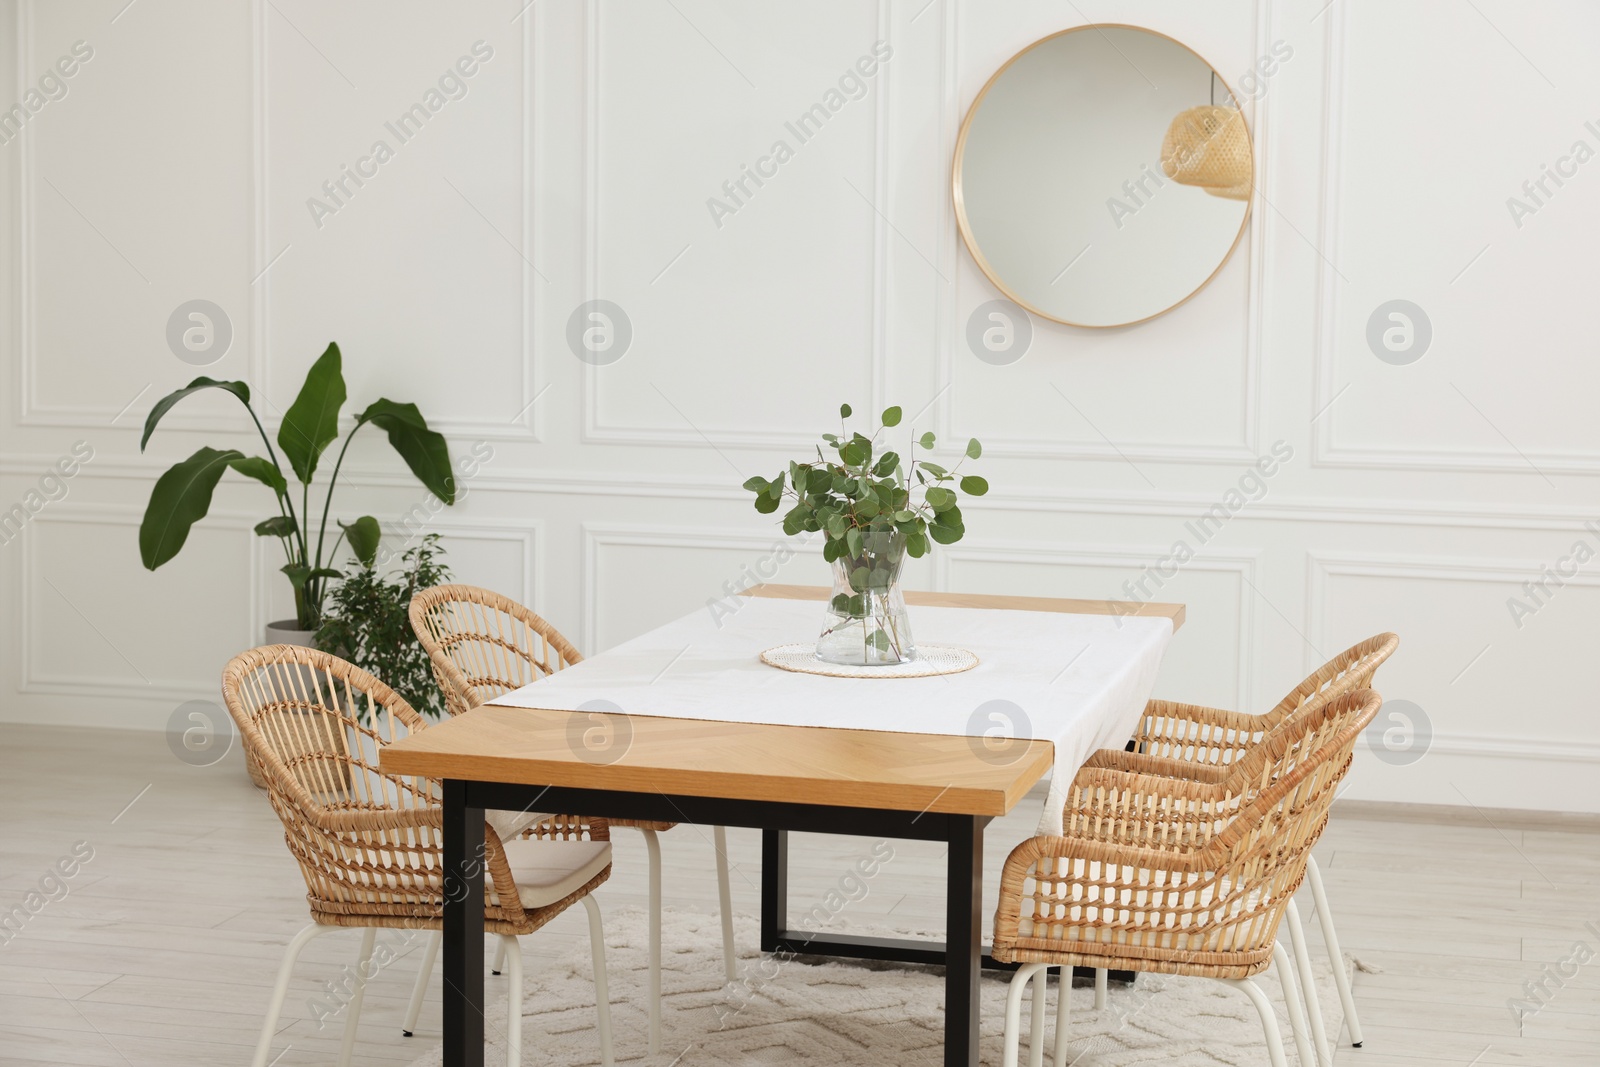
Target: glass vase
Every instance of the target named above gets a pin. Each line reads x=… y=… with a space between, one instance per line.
x=866 y=622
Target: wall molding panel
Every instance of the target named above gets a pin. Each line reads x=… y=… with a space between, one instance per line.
x=1323 y=567
x=1327 y=449
x=524 y=426
x=104 y=687
x=1241 y=565
x=679 y=433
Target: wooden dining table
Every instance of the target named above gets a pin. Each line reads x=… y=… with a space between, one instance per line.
x=716 y=772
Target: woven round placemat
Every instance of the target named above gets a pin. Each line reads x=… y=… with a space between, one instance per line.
x=930 y=660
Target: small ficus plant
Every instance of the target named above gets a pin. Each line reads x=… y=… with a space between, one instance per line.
x=870 y=504
x=368 y=622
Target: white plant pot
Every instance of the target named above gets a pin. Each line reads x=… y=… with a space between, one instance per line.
x=288 y=632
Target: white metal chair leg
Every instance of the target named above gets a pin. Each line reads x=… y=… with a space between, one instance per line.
x=1041 y=986
x=1019 y=984
x=1341 y=979
x=352 y=1016
x=430 y=956
x=730 y=963
x=1101 y=981
x=1063 y=999
x=1291 y=997
x=602 y=989
x=1308 y=986
x=499 y=963
x=281 y=988
x=1269 y=1018
x=652 y=842
x=511 y=949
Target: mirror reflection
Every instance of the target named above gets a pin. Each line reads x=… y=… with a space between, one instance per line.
x=1103 y=175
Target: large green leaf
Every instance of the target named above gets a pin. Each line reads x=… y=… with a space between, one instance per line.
x=425 y=451
x=312 y=421
x=181 y=498
x=164 y=405
x=262 y=470
x=363 y=535
x=299 y=574
x=277 y=526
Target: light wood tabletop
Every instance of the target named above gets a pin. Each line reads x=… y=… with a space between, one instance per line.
x=734 y=761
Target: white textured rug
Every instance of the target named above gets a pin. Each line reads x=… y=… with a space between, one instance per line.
x=798 y=1013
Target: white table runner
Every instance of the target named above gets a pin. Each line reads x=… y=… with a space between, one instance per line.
x=1079 y=681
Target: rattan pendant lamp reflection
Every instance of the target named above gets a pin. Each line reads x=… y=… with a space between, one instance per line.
x=1209 y=147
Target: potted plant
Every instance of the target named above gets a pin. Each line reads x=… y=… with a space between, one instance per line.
x=367 y=620
x=873 y=509
x=182 y=495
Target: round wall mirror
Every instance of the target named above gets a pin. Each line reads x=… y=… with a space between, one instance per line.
x=1103 y=175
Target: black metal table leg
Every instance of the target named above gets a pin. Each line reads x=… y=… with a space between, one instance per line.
x=774 y=888
x=963 y=943
x=463 y=928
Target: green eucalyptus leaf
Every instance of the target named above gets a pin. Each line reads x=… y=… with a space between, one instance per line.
x=363 y=535
x=926 y=440
x=886 y=464
x=940 y=498
x=756 y=484
x=766 y=504
x=903 y=516
x=974 y=449
x=181 y=498
x=916 y=545
x=844 y=411
x=832 y=550
x=775 y=490
x=891 y=417
x=836 y=525
x=974 y=485
x=165 y=404
x=853 y=454
x=933 y=468
x=312 y=421
x=796 y=519
x=853 y=540
x=946 y=535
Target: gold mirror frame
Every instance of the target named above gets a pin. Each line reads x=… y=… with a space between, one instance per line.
x=960 y=203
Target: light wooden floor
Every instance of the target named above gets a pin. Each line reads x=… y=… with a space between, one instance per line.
x=164 y=948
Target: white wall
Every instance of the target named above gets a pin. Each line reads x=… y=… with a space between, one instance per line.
x=579 y=165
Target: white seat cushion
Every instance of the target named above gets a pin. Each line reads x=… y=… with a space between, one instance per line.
x=547 y=871
x=509 y=824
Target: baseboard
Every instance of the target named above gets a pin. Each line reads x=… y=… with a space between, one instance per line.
x=1576 y=822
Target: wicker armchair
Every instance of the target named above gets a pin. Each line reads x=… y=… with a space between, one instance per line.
x=370 y=844
x=1210 y=736
x=484 y=645
x=1209 y=906
x=1189 y=741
